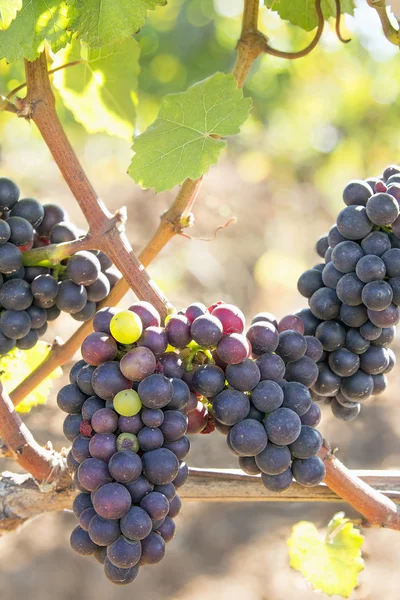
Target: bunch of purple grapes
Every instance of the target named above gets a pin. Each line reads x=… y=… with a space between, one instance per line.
x=257 y=385
x=127 y=421
x=354 y=295
x=131 y=397
x=30 y=296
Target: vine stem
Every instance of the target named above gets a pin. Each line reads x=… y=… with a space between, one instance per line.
x=21 y=498
x=376 y=508
x=109 y=232
x=44 y=464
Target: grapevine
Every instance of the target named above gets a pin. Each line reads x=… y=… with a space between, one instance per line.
x=151 y=377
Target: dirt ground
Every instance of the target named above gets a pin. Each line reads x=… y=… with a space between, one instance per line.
x=221 y=551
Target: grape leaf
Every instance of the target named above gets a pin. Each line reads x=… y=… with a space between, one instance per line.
x=18 y=364
x=331 y=565
x=99 y=92
x=102 y=22
x=302 y=12
x=182 y=142
x=37 y=22
x=8 y=11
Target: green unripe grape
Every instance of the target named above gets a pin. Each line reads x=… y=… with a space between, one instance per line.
x=127 y=403
x=127 y=441
x=126 y=327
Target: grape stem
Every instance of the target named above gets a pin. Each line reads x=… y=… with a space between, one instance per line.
x=53 y=254
x=47 y=256
x=22 y=499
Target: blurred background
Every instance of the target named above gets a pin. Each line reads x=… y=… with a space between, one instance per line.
x=316 y=123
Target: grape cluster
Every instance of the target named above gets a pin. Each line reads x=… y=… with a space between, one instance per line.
x=126 y=404
x=354 y=295
x=33 y=295
x=257 y=386
x=141 y=388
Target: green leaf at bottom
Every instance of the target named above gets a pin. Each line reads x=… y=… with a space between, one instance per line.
x=331 y=565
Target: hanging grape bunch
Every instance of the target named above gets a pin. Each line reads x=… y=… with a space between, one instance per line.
x=30 y=296
x=141 y=388
x=258 y=391
x=354 y=296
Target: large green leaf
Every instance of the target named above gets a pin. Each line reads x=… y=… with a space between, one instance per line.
x=303 y=13
x=182 y=142
x=18 y=364
x=100 y=91
x=8 y=11
x=332 y=564
x=37 y=22
x=102 y=22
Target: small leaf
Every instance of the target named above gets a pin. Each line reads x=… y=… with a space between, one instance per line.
x=331 y=565
x=302 y=12
x=37 y=22
x=17 y=365
x=8 y=11
x=182 y=142
x=102 y=22
x=100 y=91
